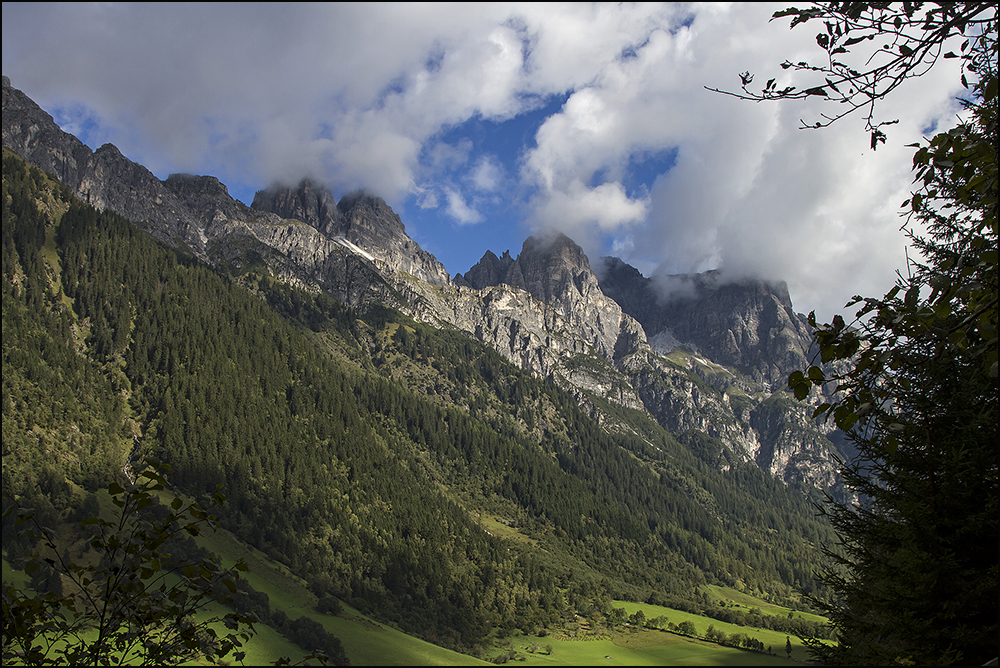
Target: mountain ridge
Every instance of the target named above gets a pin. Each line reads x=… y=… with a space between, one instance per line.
x=545 y=310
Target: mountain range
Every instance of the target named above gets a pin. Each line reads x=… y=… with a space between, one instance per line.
x=504 y=448
x=707 y=354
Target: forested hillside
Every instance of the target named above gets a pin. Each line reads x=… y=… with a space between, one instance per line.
x=370 y=453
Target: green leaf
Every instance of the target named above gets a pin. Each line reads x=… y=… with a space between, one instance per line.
x=801 y=391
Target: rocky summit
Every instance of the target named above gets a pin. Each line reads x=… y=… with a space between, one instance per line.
x=703 y=356
x=747 y=324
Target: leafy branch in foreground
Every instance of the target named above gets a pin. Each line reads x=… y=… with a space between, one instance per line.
x=891 y=42
x=917 y=562
x=140 y=603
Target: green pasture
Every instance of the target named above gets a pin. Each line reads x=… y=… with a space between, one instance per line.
x=641 y=648
x=773 y=639
x=742 y=600
x=368 y=642
x=13 y=576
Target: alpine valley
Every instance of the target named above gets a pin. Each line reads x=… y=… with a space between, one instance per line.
x=462 y=456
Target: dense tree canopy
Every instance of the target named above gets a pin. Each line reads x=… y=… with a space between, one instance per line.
x=916 y=574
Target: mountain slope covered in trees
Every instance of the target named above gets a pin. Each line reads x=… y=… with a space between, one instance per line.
x=367 y=451
x=545 y=311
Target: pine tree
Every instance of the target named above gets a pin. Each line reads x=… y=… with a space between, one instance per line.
x=916 y=571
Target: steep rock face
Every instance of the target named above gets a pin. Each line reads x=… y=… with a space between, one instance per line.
x=361 y=219
x=748 y=324
x=371 y=224
x=531 y=333
x=556 y=271
x=312 y=205
x=206 y=196
x=104 y=178
x=545 y=312
x=197 y=213
x=491 y=270
x=748 y=327
x=790 y=444
x=32 y=134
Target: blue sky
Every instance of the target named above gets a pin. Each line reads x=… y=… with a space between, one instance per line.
x=484 y=123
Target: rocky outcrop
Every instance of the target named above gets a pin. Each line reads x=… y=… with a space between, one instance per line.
x=555 y=270
x=371 y=224
x=206 y=198
x=574 y=333
x=491 y=270
x=361 y=219
x=196 y=213
x=32 y=134
x=104 y=178
x=313 y=205
x=748 y=324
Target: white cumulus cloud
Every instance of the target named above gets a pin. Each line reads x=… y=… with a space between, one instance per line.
x=378 y=96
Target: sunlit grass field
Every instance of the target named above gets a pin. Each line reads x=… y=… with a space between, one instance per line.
x=639 y=648
x=773 y=639
x=370 y=643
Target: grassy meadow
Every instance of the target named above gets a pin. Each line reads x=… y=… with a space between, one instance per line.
x=641 y=648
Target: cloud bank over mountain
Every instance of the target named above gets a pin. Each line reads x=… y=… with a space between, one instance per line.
x=488 y=121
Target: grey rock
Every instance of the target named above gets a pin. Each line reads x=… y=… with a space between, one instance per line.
x=491 y=270
x=104 y=178
x=748 y=324
x=361 y=219
x=312 y=205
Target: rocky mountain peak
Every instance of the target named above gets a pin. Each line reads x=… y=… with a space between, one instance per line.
x=206 y=196
x=312 y=204
x=361 y=219
x=554 y=269
x=192 y=184
x=553 y=316
x=491 y=270
x=368 y=216
x=748 y=324
x=556 y=245
x=31 y=132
